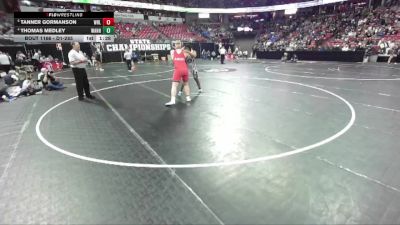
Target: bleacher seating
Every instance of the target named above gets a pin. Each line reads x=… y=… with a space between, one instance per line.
x=179 y=31
x=153 y=32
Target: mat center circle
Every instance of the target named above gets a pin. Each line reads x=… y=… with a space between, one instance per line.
x=199 y=165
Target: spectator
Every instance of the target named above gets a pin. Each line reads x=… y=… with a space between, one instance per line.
x=392 y=54
x=213 y=55
x=3 y=92
x=347 y=28
x=204 y=54
x=5 y=62
x=20 y=58
x=245 y=54
x=29 y=88
x=35 y=59
x=128 y=59
x=136 y=56
x=48 y=81
x=11 y=79
x=254 y=51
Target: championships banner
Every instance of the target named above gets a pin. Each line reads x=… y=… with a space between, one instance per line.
x=137 y=45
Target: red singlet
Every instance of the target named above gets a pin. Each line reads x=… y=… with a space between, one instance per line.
x=181 y=71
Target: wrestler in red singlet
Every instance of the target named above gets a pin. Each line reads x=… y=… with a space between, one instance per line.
x=181 y=71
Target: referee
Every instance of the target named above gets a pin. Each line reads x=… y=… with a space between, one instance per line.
x=78 y=63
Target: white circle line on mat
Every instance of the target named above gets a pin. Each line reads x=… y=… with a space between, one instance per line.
x=201 y=165
x=267 y=69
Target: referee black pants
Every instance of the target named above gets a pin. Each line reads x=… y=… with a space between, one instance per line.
x=129 y=63
x=222 y=59
x=82 y=82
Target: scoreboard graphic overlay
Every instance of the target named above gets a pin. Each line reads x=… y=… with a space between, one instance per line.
x=56 y=27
